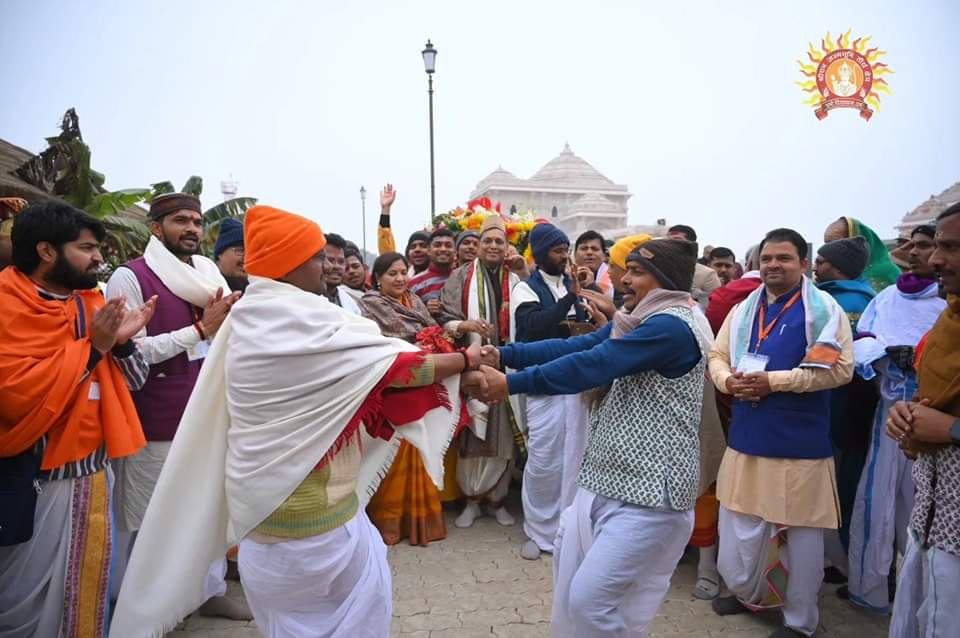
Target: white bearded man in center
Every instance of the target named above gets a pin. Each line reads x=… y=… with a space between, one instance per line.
x=296 y=416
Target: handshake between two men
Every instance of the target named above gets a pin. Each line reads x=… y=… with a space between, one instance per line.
x=486 y=383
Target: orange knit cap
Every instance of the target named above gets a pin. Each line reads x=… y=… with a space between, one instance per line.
x=277 y=242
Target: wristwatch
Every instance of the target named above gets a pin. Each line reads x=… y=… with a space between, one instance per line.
x=955 y=432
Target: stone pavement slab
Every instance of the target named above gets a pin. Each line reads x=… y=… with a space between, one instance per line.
x=474 y=583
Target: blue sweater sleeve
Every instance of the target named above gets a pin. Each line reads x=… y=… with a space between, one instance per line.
x=663 y=343
x=522 y=355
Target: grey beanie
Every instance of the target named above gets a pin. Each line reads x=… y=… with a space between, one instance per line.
x=849 y=256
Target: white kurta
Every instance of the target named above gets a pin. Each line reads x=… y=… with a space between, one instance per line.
x=878 y=524
x=928 y=594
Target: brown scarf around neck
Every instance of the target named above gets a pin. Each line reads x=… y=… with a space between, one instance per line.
x=939 y=369
x=395 y=318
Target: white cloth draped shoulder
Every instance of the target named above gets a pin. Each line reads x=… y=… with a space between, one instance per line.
x=195 y=285
x=285 y=374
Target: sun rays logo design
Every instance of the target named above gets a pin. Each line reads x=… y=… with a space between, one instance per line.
x=844 y=75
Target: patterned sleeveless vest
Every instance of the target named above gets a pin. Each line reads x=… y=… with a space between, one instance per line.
x=643 y=445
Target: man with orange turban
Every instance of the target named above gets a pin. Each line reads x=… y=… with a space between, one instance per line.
x=294 y=420
x=66 y=365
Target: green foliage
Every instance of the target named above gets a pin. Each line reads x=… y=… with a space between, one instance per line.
x=161 y=188
x=194 y=186
x=232 y=208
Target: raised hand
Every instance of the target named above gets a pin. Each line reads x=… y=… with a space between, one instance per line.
x=105 y=323
x=135 y=320
x=603 y=303
x=387 y=196
x=216 y=311
x=490 y=356
x=586 y=276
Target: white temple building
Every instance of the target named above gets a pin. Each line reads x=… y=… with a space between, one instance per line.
x=569 y=192
x=927 y=212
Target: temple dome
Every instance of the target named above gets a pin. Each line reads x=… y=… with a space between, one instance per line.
x=568 y=168
x=595 y=204
x=499 y=177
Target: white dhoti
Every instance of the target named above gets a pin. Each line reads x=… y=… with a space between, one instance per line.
x=333 y=584
x=577 y=420
x=880 y=516
x=928 y=594
x=484 y=476
x=137 y=477
x=613 y=564
x=543 y=472
x=743 y=563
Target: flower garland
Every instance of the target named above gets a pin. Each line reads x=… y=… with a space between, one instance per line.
x=471 y=218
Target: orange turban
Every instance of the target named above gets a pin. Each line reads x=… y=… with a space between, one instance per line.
x=277 y=242
x=625 y=246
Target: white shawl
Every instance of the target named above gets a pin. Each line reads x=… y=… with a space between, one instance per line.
x=286 y=372
x=196 y=285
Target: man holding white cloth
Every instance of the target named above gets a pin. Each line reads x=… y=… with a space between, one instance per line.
x=270 y=453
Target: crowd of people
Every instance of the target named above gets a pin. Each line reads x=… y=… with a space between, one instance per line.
x=280 y=413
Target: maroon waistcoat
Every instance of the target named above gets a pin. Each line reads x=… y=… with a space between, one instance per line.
x=163 y=398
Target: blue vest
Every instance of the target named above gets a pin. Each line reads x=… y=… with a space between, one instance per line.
x=784 y=424
x=543 y=292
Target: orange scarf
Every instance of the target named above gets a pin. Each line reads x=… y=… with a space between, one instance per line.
x=938 y=371
x=41 y=366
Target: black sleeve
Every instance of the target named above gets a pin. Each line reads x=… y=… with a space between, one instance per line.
x=94 y=359
x=384 y=221
x=535 y=324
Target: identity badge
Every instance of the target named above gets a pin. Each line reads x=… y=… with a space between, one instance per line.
x=94 y=392
x=752 y=362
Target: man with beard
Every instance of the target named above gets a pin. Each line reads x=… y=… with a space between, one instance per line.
x=542 y=307
x=228 y=253
x=335 y=267
x=896 y=320
x=67 y=364
x=927 y=425
x=429 y=284
x=467 y=243
x=476 y=307
x=354 y=274
x=191 y=305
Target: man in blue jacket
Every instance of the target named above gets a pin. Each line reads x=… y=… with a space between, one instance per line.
x=620 y=541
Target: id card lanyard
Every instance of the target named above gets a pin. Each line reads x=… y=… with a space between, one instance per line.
x=765 y=329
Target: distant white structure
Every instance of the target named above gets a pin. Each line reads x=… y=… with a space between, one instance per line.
x=926 y=213
x=229 y=188
x=569 y=192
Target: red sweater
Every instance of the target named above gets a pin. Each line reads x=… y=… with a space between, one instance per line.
x=723 y=299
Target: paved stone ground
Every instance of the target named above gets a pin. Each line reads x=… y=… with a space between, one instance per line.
x=474 y=583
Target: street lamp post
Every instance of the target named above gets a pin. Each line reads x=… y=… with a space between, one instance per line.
x=363 y=207
x=429 y=64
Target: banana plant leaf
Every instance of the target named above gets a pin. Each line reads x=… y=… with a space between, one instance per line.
x=232 y=208
x=115 y=202
x=161 y=188
x=194 y=186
